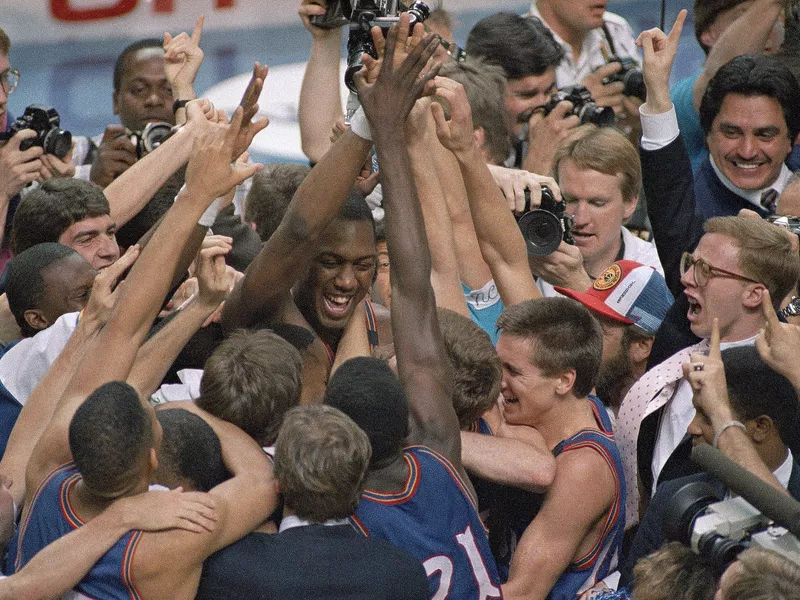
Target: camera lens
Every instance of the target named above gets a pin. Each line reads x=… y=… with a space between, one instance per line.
x=542 y=232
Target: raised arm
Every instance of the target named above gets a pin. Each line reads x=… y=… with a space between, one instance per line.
x=320 y=98
x=501 y=242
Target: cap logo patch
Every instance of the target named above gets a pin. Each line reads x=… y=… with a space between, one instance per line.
x=608 y=279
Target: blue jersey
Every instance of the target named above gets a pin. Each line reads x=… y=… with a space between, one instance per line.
x=434 y=519
x=602 y=559
x=51 y=516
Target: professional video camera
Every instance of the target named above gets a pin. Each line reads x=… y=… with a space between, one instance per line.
x=631 y=75
x=544 y=228
x=583 y=106
x=151 y=137
x=720 y=529
x=44 y=120
x=362 y=15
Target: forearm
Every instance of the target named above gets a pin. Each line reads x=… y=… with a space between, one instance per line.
x=748 y=34
x=320 y=100
x=159 y=352
x=500 y=240
x=438 y=227
x=132 y=190
x=507 y=461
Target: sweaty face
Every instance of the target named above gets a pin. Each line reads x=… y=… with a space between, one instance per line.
x=68 y=284
x=721 y=297
x=527 y=393
x=145 y=95
x=340 y=276
x=94 y=239
x=527 y=93
x=749 y=140
x=575 y=15
x=596 y=201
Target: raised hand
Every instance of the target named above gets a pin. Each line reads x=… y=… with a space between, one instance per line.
x=105 y=291
x=19 y=168
x=388 y=100
x=778 y=343
x=173 y=509
x=659 y=54
x=182 y=59
x=115 y=155
x=209 y=173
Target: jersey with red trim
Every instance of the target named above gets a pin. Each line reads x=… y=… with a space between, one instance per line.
x=602 y=559
x=434 y=519
x=51 y=516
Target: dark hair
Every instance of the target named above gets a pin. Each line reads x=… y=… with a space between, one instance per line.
x=190 y=452
x=477 y=371
x=321 y=460
x=367 y=391
x=484 y=84
x=110 y=437
x=25 y=286
x=753 y=75
x=523 y=46
x=565 y=335
x=251 y=380
x=49 y=210
x=119 y=66
x=131 y=232
x=755 y=389
x=270 y=194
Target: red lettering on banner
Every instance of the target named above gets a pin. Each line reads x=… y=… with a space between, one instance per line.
x=63 y=11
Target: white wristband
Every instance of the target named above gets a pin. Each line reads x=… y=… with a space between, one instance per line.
x=722 y=429
x=208 y=217
x=359 y=125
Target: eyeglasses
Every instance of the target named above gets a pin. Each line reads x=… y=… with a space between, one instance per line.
x=704 y=271
x=9 y=80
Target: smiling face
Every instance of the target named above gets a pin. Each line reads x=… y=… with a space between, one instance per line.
x=145 y=95
x=340 y=276
x=527 y=393
x=749 y=140
x=597 y=203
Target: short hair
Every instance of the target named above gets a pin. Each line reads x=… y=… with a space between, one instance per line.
x=119 y=66
x=523 y=46
x=49 y=210
x=251 y=380
x=565 y=335
x=367 y=391
x=484 y=84
x=764 y=575
x=753 y=75
x=673 y=571
x=765 y=253
x=755 y=390
x=270 y=194
x=477 y=371
x=321 y=460
x=110 y=437
x=5 y=43
x=190 y=452
x=606 y=150
x=25 y=285
x=706 y=12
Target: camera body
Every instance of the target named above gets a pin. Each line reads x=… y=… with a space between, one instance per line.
x=720 y=529
x=151 y=137
x=44 y=120
x=630 y=75
x=583 y=106
x=361 y=16
x=545 y=227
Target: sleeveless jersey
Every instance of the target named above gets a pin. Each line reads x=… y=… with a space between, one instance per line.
x=602 y=559
x=434 y=519
x=51 y=516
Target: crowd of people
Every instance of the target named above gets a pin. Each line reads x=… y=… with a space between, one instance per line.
x=464 y=353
